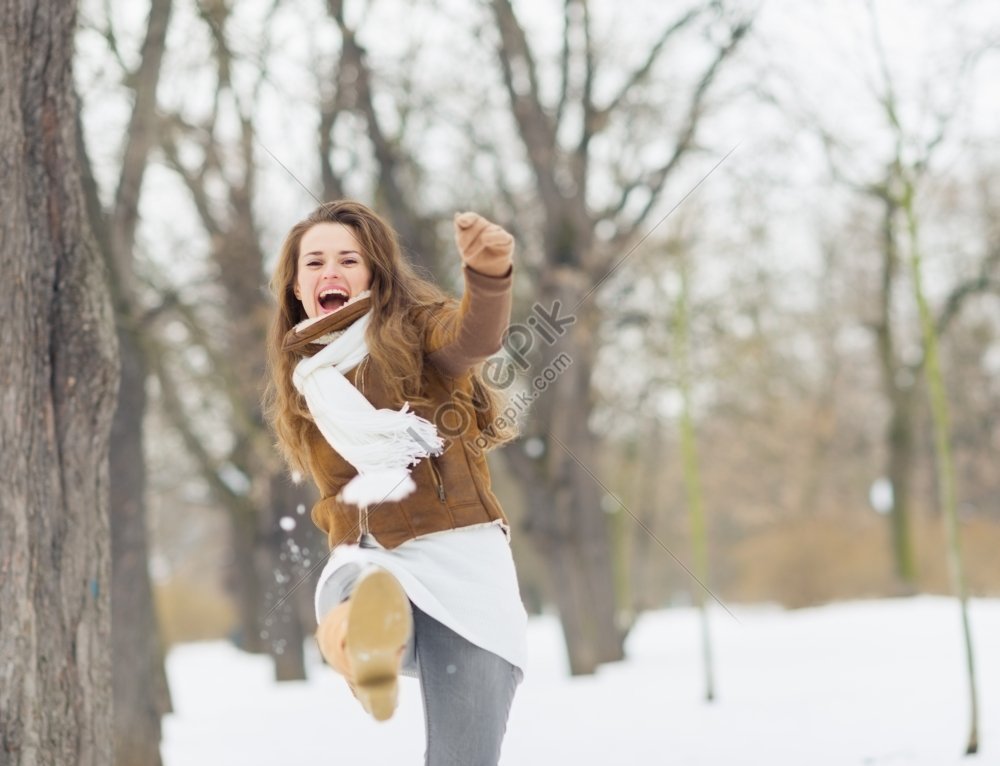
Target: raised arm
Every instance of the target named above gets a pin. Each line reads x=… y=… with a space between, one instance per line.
x=465 y=336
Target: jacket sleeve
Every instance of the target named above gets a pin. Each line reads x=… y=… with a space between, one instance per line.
x=458 y=338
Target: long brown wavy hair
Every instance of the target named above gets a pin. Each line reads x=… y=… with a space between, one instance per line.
x=394 y=337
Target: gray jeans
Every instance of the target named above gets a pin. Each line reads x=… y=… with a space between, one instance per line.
x=467 y=691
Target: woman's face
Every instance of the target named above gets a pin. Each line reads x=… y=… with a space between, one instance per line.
x=330 y=269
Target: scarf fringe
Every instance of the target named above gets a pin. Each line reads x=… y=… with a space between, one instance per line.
x=399 y=440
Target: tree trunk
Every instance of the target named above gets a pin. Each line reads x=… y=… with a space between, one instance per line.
x=571 y=530
x=243 y=581
x=650 y=460
x=59 y=368
x=899 y=395
x=900 y=440
x=267 y=564
x=692 y=474
x=141 y=693
x=294 y=552
x=946 y=473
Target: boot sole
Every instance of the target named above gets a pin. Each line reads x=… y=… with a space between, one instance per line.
x=380 y=624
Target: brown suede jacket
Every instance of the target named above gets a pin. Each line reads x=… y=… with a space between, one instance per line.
x=453 y=488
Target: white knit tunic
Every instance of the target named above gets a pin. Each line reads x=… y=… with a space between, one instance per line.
x=464 y=578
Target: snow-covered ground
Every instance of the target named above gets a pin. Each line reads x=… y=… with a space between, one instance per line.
x=879 y=682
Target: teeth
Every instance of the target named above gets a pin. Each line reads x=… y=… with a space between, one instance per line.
x=333 y=291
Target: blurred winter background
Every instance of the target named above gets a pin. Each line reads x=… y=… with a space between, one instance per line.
x=777 y=227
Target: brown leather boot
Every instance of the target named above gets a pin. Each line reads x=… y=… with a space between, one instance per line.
x=363 y=639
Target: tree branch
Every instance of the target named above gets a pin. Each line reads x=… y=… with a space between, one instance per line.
x=987 y=279
x=600 y=116
x=139 y=142
x=591 y=121
x=404 y=215
x=247 y=427
x=194 y=182
x=330 y=106
x=112 y=39
x=208 y=466
x=564 y=62
x=654 y=182
x=536 y=129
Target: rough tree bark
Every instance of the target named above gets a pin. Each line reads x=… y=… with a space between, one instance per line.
x=59 y=372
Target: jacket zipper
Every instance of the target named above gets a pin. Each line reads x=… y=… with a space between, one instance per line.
x=437 y=479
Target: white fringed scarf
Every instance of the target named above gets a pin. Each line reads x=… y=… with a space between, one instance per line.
x=380 y=443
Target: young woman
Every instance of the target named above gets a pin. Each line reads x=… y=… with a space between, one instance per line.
x=376 y=391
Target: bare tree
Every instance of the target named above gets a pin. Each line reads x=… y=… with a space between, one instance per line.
x=60 y=365
x=901 y=194
x=355 y=83
x=141 y=694
x=566 y=519
x=233 y=341
x=899 y=354
x=689 y=455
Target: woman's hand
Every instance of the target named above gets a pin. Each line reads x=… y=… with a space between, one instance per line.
x=484 y=246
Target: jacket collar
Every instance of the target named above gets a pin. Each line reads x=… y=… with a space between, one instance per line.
x=338 y=320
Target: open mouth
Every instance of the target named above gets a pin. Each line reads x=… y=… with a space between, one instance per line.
x=332 y=299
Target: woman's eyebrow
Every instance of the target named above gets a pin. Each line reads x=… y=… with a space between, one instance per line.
x=320 y=252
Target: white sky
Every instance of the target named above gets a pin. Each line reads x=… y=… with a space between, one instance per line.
x=818 y=54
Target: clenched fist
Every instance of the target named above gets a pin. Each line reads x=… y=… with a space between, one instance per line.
x=484 y=246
